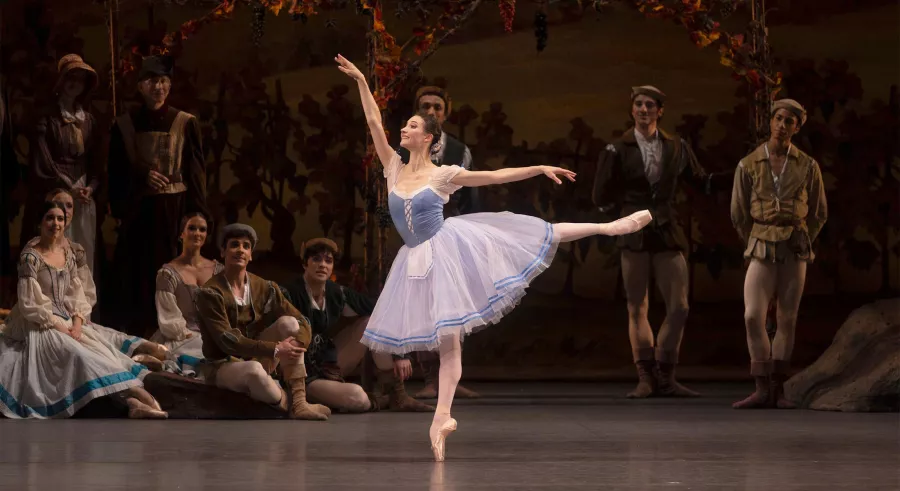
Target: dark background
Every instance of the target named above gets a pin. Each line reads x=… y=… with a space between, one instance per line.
x=285 y=144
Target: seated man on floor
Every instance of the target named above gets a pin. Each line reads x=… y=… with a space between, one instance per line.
x=334 y=354
x=248 y=327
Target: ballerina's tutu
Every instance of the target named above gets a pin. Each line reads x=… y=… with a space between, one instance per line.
x=456 y=275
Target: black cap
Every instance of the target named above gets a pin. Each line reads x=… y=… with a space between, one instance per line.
x=156 y=66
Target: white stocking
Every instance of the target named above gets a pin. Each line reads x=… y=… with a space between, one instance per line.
x=567 y=232
x=448 y=378
x=249 y=377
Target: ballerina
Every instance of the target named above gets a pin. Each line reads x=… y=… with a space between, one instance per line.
x=455 y=276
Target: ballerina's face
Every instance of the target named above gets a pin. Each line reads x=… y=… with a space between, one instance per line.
x=68 y=203
x=53 y=224
x=413 y=136
x=194 y=233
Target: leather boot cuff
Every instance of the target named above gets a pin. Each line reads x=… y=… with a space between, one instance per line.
x=670 y=357
x=782 y=367
x=643 y=354
x=760 y=368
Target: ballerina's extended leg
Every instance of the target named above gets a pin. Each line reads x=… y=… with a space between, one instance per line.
x=567 y=232
x=448 y=378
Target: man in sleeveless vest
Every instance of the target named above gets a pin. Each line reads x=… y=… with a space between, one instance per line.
x=249 y=328
x=778 y=208
x=642 y=170
x=336 y=349
x=448 y=151
x=157 y=174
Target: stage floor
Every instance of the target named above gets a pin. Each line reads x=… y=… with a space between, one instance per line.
x=519 y=436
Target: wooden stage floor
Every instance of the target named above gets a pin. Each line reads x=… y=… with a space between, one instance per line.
x=518 y=437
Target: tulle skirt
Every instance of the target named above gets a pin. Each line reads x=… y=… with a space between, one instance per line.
x=468 y=276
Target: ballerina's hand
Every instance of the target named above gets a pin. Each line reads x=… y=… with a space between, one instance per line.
x=552 y=172
x=345 y=66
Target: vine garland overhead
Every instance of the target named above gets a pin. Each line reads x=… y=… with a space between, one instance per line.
x=394 y=63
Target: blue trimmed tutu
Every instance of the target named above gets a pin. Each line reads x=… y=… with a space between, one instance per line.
x=468 y=275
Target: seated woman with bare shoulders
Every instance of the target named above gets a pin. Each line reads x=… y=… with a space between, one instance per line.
x=149 y=354
x=176 y=285
x=53 y=360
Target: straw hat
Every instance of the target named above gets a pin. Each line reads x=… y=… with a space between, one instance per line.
x=72 y=62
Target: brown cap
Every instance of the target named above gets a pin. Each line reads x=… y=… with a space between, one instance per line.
x=792 y=106
x=434 y=90
x=321 y=240
x=237 y=230
x=649 y=91
x=72 y=62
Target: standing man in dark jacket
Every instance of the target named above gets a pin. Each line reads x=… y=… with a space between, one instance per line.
x=640 y=171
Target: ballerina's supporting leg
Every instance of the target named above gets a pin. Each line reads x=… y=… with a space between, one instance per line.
x=567 y=232
x=448 y=379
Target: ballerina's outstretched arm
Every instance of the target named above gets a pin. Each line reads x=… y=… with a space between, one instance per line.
x=370 y=107
x=470 y=178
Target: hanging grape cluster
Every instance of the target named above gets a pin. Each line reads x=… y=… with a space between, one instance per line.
x=508 y=12
x=383 y=215
x=540 y=30
x=259 y=24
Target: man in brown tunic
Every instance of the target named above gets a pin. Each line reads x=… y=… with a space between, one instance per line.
x=248 y=328
x=778 y=208
x=640 y=171
x=157 y=174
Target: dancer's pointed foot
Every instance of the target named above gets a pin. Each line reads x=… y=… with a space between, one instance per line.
x=153 y=364
x=139 y=410
x=439 y=438
x=630 y=224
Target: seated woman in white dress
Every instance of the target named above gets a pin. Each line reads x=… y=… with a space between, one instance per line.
x=151 y=355
x=52 y=359
x=176 y=285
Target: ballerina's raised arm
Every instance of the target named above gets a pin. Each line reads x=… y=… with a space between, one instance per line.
x=370 y=107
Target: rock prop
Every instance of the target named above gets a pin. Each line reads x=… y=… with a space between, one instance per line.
x=860 y=371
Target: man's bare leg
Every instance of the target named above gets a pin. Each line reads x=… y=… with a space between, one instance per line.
x=636 y=278
x=759 y=286
x=250 y=378
x=671 y=272
x=790 y=283
x=340 y=395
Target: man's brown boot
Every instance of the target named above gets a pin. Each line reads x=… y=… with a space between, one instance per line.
x=295 y=376
x=666 y=385
x=398 y=399
x=780 y=373
x=646 y=368
x=761 y=397
x=429 y=362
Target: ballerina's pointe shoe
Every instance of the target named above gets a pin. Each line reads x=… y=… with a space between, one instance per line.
x=437 y=444
x=631 y=224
